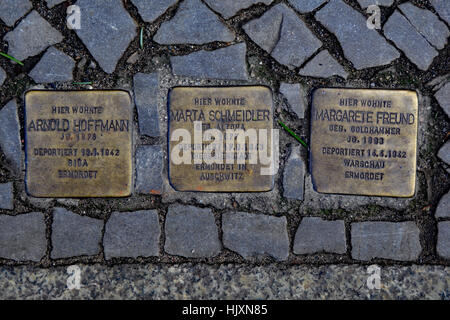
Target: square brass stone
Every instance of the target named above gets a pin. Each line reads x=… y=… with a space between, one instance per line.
x=222 y=108
x=78 y=143
x=364 y=141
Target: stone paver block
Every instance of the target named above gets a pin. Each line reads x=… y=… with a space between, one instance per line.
x=132 y=234
x=31 y=36
x=255 y=234
x=316 y=235
x=13 y=10
x=53 y=67
x=304 y=6
x=296 y=97
x=283 y=35
x=365 y=3
x=443 y=97
x=357 y=41
x=225 y=63
x=294 y=176
x=443 y=208
x=10 y=135
x=6 y=196
x=413 y=44
x=22 y=237
x=323 y=65
x=107 y=30
x=444 y=153
x=443 y=240
x=2 y=76
x=149 y=165
x=428 y=25
x=193 y=23
x=145 y=95
x=52 y=3
x=228 y=8
x=387 y=240
x=151 y=10
x=191 y=232
x=442 y=7
x=75 y=235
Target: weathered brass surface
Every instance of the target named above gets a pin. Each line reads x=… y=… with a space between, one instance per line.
x=78 y=143
x=251 y=107
x=364 y=141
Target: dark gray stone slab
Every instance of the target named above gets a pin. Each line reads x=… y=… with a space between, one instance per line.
x=357 y=41
x=13 y=10
x=31 y=36
x=225 y=63
x=107 y=30
x=388 y=240
x=296 y=97
x=53 y=67
x=2 y=76
x=406 y=38
x=193 y=23
x=443 y=97
x=444 y=153
x=255 y=234
x=365 y=3
x=443 y=240
x=316 y=235
x=304 y=6
x=283 y=35
x=294 y=176
x=6 y=196
x=132 y=234
x=22 y=237
x=150 y=10
x=442 y=7
x=10 y=135
x=228 y=8
x=443 y=208
x=145 y=95
x=428 y=25
x=75 y=235
x=149 y=165
x=52 y=3
x=323 y=65
x=191 y=232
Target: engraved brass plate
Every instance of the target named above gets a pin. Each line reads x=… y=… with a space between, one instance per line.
x=364 y=141
x=221 y=108
x=78 y=143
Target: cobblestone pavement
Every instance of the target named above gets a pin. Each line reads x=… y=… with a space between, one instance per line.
x=291 y=46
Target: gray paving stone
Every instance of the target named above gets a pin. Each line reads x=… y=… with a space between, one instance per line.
x=443 y=97
x=406 y=38
x=385 y=3
x=316 y=235
x=225 y=63
x=132 y=234
x=443 y=240
x=145 y=95
x=323 y=65
x=53 y=67
x=444 y=153
x=304 y=6
x=22 y=237
x=75 y=235
x=191 y=232
x=294 y=176
x=296 y=97
x=442 y=7
x=255 y=234
x=443 y=208
x=2 y=76
x=13 y=10
x=283 y=35
x=52 y=3
x=6 y=196
x=107 y=30
x=387 y=240
x=150 y=10
x=149 y=165
x=365 y=48
x=193 y=23
x=228 y=8
x=428 y=25
x=31 y=36
x=10 y=135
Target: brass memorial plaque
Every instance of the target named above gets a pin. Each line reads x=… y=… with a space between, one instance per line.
x=78 y=143
x=222 y=109
x=364 y=141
